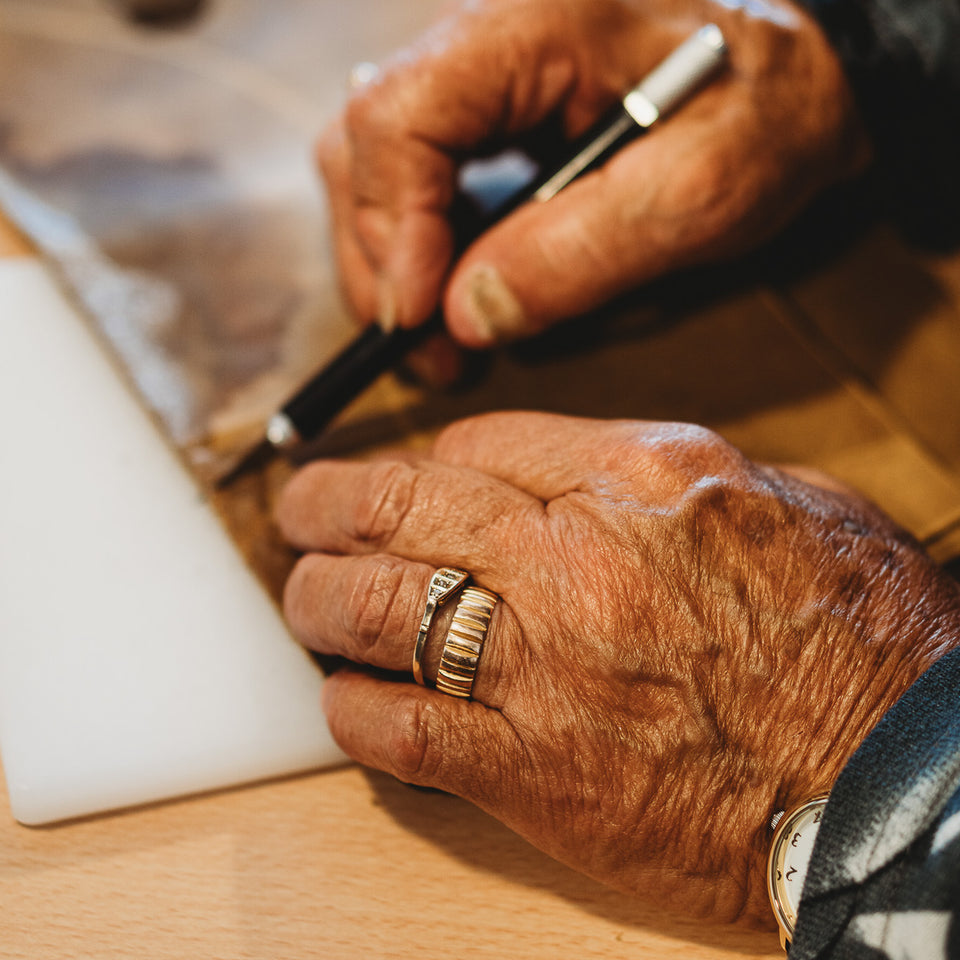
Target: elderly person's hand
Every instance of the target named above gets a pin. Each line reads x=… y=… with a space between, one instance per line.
x=724 y=173
x=686 y=642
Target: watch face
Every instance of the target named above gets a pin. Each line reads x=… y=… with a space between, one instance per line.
x=789 y=859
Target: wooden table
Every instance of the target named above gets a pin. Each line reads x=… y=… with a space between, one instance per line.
x=850 y=365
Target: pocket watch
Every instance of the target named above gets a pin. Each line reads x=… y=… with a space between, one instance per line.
x=789 y=858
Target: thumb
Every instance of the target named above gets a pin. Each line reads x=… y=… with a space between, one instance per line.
x=662 y=203
x=547 y=262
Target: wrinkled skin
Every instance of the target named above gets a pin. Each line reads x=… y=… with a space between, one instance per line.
x=686 y=641
x=721 y=175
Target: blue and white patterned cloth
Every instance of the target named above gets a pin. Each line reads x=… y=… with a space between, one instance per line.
x=884 y=880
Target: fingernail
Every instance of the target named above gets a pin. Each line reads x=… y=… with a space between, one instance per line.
x=492 y=309
x=386 y=304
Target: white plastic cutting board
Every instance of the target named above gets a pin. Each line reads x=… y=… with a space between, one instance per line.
x=139 y=657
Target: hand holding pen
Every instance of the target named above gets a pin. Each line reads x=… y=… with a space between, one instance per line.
x=734 y=163
x=728 y=169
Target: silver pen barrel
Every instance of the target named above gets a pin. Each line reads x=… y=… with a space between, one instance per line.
x=674 y=80
x=694 y=62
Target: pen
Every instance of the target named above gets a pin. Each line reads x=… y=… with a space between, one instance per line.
x=373 y=352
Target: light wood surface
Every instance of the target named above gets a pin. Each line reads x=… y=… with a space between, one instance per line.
x=342 y=864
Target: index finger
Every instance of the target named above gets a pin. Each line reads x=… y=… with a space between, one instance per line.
x=544 y=454
x=424 y=511
x=480 y=77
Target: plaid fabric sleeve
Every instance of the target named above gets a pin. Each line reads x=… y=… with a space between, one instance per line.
x=902 y=58
x=884 y=879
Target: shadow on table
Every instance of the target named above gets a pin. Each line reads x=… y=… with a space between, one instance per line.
x=474 y=837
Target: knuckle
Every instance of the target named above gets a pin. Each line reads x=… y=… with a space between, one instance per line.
x=414 y=747
x=709 y=173
x=356 y=111
x=374 y=603
x=570 y=259
x=505 y=658
x=710 y=445
x=304 y=484
x=694 y=436
x=695 y=450
x=296 y=597
x=293 y=506
x=391 y=488
x=459 y=438
x=328 y=150
x=365 y=113
x=454 y=438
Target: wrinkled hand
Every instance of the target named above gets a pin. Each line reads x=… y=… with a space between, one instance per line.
x=686 y=641
x=722 y=175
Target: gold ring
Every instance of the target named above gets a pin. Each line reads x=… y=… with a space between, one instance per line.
x=461 y=650
x=443 y=585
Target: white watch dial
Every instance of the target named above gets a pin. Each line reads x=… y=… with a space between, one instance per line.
x=789 y=858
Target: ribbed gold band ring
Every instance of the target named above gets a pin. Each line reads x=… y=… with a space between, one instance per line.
x=464 y=643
